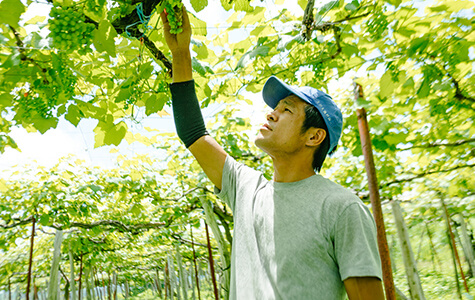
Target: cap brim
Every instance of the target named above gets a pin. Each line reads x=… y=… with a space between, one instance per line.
x=275 y=90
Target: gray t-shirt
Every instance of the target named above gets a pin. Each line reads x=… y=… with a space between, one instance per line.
x=296 y=240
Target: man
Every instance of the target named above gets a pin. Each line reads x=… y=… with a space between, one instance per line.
x=299 y=236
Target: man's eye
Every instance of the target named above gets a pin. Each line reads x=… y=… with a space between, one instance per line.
x=287 y=110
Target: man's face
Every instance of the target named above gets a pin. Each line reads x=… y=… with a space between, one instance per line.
x=282 y=134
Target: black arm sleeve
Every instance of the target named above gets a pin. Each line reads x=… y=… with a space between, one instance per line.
x=187 y=113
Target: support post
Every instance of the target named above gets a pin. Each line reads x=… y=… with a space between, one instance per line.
x=453 y=245
x=413 y=280
x=30 y=263
x=53 y=285
x=467 y=244
x=375 y=199
x=194 y=263
x=211 y=264
x=72 y=278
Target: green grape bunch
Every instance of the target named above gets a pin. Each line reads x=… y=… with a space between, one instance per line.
x=174 y=15
x=69 y=29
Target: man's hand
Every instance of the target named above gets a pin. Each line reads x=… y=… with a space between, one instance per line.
x=179 y=45
x=177 y=42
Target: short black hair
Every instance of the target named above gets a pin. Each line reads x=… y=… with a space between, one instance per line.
x=313 y=119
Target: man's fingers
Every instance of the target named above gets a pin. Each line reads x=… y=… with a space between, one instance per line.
x=166 y=25
x=186 y=20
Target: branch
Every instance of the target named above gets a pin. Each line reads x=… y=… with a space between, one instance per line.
x=64 y=275
x=117 y=224
x=308 y=20
x=121 y=25
x=24 y=57
x=425 y=174
x=458 y=91
x=226 y=229
x=323 y=27
x=179 y=238
x=186 y=193
x=222 y=213
x=19 y=223
x=433 y=145
x=112 y=223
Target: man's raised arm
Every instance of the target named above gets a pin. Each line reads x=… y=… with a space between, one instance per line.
x=186 y=110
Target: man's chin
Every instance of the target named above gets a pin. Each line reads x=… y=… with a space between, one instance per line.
x=260 y=142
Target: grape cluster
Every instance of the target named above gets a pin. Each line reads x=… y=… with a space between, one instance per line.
x=174 y=15
x=94 y=7
x=69 y=29
x=52 y=88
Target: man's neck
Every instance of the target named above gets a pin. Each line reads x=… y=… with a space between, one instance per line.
x=288 y=170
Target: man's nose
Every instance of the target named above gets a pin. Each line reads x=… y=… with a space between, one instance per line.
x=271 y=116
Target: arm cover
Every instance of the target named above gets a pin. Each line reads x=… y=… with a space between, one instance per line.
x=186 y=112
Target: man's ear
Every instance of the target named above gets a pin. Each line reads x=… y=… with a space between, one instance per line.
x=315 y=136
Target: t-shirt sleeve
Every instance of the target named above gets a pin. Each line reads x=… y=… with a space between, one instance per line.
x=234 y=177
x=356 y=245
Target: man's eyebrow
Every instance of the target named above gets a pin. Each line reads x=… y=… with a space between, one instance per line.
x=288 y=102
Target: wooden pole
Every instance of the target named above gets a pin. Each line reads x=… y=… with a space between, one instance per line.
x=413 y=280
x=80 y=276
x=211 y=264
x=9 y=288
x=194 y=263
x=467 y=244
x=454 y=247
x=375 y=200
x=32 y=240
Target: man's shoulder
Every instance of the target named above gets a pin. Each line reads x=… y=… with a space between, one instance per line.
x=333 y=191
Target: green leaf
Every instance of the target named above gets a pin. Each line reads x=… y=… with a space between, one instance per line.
x=439 y=8
x=351 y=7
x=198 y=26
x=43 y=124
x=123 y=94
x=36 y=19
x=199 y=5
x=201 y=51
x=10 y=12
x=395 y=138
x=5 y=100
x=396 y=3
x=136 y=209
x=146 y=70
x=302 y=4
x=424 y=89
x=198 y=67
x=108 y=133
x=386 y=85
x=258 y=51
x=104 y=38
x=418 y=45
x=74 y=115
x=44 y=219
x=155 y=103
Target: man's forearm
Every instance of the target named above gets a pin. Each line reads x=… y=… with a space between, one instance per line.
x=181 y=67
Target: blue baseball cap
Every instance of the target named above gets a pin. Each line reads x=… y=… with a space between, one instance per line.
x=275 y=90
